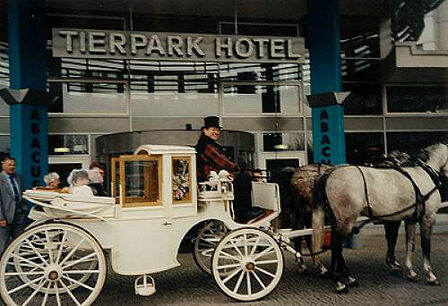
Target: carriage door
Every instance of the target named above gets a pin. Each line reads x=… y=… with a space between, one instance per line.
x=144 y=233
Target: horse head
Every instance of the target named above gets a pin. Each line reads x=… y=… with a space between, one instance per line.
x=444 y=168
x=438 y=157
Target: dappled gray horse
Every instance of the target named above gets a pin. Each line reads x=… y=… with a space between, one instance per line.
x=348 y=192
x=302 y=185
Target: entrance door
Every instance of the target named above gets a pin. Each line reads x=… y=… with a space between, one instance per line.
x=280 y=161
x=63 y=165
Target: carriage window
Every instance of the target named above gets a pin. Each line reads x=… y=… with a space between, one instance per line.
x=181 y=179
x=141 y=181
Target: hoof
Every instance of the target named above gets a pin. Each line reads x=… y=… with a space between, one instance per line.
x=324 y=274
x=353 y=284
x=413 y=279
x=342 y=290
x=434 y=282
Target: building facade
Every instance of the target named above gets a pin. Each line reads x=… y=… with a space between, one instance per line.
x=394 y=60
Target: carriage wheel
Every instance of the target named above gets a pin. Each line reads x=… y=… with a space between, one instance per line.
x=205 y=243
x=52 y=264
x=253 y=261
x=38 y=241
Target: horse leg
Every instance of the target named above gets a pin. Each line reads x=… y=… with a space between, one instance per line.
x=316 y=259
x=426 y=226
x=300 y=223
x=349 y=279
x=337 y=240
x=410 y=248
x=303 y=268
x=391 y=228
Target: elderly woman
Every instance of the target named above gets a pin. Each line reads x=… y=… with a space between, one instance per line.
x=79 y=182
x=52 y=180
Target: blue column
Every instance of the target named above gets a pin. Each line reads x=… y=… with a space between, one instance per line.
x=323 y=42
x=27 y=67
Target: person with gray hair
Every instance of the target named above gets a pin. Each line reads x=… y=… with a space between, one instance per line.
x=79 y=182
x=52 y=180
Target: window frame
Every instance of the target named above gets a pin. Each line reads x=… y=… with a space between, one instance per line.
x=388 y=113
x=144 y=158
x=114 y=166
x=190 y=177
x=283 y=113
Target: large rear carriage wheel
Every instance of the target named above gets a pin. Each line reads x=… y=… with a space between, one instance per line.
x=247 y=264
x=52 y=264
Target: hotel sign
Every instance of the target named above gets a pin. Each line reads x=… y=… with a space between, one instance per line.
x=79 y=43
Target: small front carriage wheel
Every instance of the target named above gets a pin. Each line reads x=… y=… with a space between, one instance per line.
x=252 y=261
x=205 y=242
x=52 y=264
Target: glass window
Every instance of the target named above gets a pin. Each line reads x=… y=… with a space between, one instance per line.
x=255 y=99
x=360 y=37
x=68 y=144
x=181 y=179
x=4 y=64
x=4 y=145
x=413 y=142
x=89 y=97
x=365 y=99
x=260 y=29
x=141 y=181
x=283 y=142
x=260 y=72
x=364 y=148
x=274 y=165
x=429 y=99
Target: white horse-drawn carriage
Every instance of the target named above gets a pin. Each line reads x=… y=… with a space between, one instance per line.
x=61 y=257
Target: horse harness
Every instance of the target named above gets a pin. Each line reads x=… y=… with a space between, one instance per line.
x=420 y=199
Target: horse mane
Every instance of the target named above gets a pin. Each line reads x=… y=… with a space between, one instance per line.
x=424 y=153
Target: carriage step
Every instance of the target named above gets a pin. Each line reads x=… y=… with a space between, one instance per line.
x=145 y=285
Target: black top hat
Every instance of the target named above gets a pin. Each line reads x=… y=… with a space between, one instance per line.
x=211 y=121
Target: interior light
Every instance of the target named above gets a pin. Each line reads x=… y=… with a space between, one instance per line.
x=61 y=150
x=280 y=147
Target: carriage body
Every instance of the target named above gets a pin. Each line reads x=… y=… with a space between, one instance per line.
x=144 y=222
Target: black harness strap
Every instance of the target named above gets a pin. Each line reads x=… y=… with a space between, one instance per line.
x=433 y=174
x=369 y=207
x=419 y=205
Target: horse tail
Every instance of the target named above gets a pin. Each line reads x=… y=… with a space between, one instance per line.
x=320 y=201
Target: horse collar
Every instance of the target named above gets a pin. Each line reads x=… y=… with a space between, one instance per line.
x=434 y=174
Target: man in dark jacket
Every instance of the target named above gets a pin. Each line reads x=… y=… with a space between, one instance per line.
x=12 y=208
x=210 y=155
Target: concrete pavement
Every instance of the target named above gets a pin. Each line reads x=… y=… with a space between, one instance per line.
x=186 y=285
